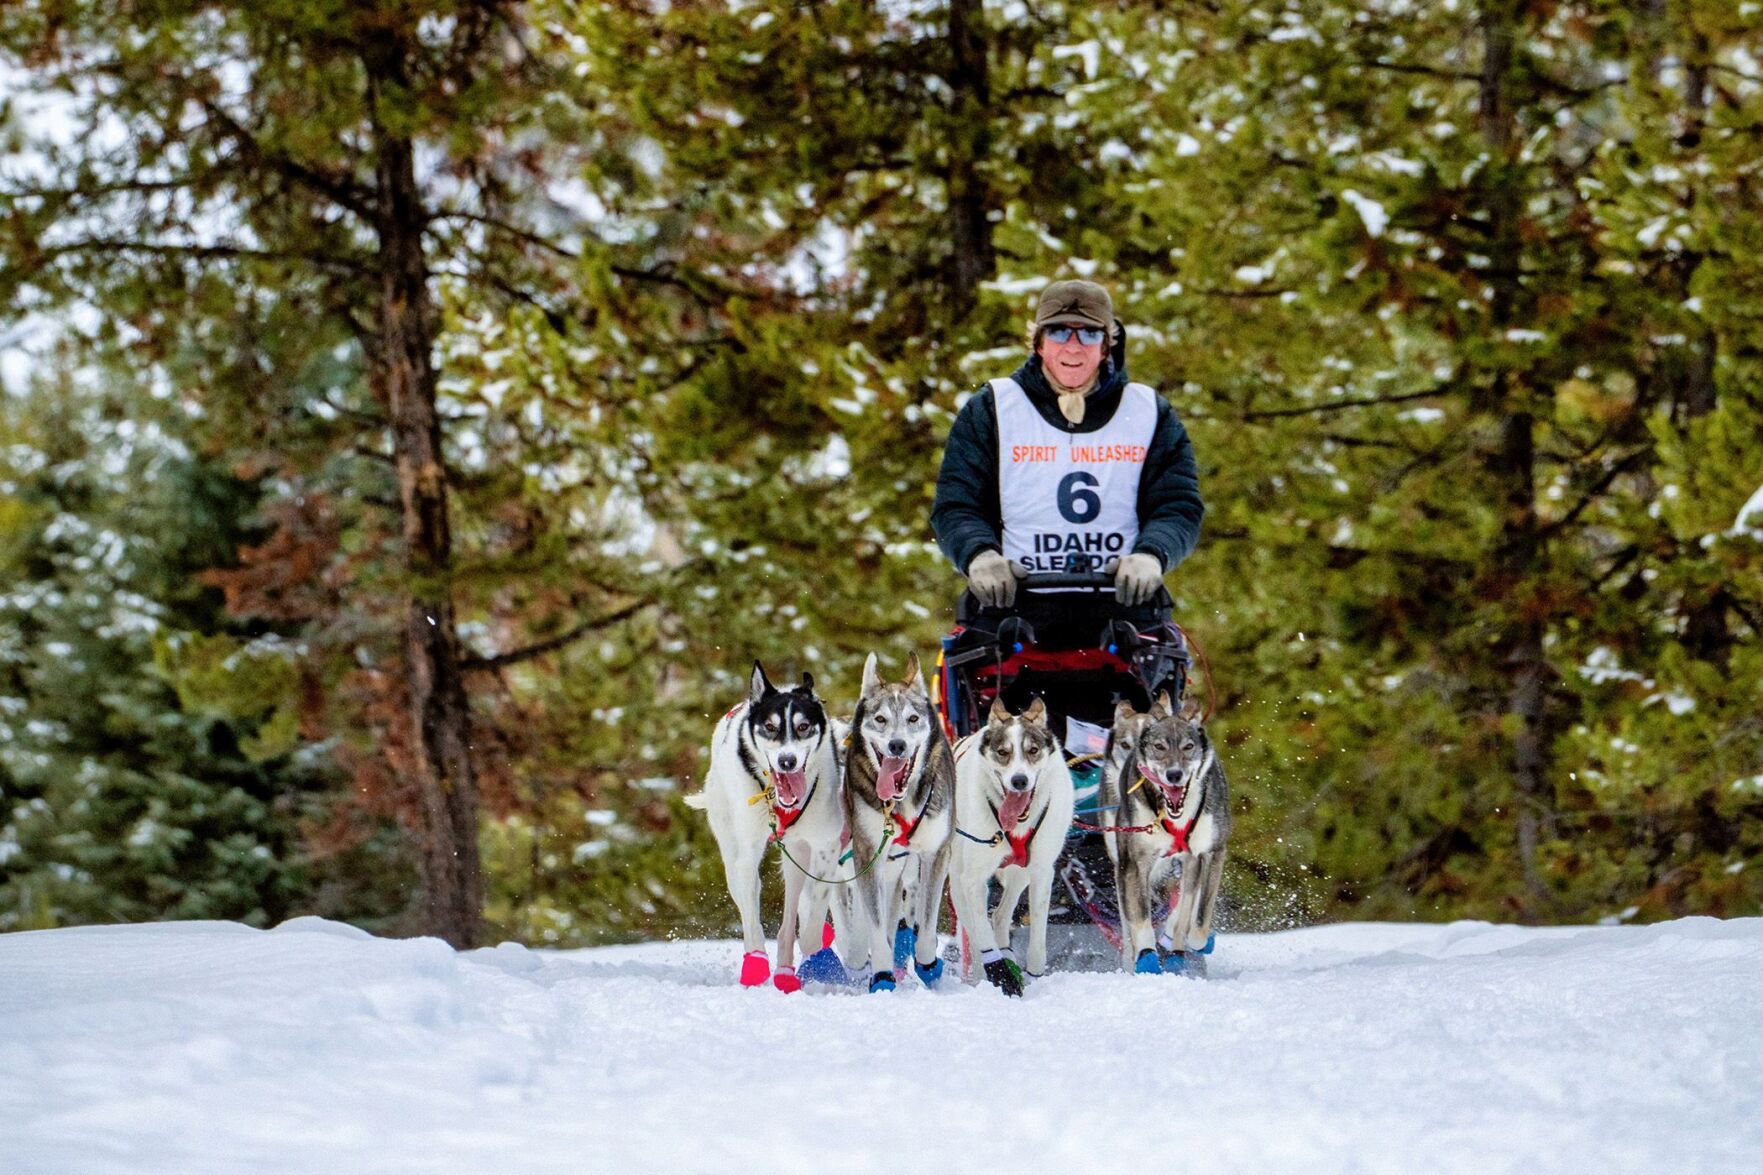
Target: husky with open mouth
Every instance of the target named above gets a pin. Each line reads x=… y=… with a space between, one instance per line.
x=1013 y=809
x=900 y=803
x=774 y=777
x=1171 y=825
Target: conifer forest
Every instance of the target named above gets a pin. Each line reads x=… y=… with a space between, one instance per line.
x=418 y=416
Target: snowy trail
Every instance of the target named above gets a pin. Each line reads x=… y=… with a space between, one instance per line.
x=201 y=1047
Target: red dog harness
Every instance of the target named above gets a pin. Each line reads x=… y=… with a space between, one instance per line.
x=1179 y=833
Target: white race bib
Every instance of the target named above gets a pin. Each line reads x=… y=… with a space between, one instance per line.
x=1070 y=500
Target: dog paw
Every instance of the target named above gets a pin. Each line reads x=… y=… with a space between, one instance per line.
x=1211 y=941
x=1175 y=963
x=931 y=975
x=1005 y=975
x=755 y=969
x=882 y=982
x=784 y=979
x=1147 y=963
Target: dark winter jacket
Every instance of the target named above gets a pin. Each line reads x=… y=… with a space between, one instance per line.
x=967 y=516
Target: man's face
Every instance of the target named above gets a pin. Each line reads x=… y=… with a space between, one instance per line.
x=1069 y=364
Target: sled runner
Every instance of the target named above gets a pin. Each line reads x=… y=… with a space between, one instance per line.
x=1068 y=642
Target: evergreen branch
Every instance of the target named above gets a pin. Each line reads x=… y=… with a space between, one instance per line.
x=1623 y=558
x=554 y=318
x=372 y=419
x=527 y=653
x=1338 y=405
x=1745 y=613
x=176 y=183
x=201 y=252
x=1736 y=72
x=1596 y=490
x=1429 y=560
x=1347 y=556
x=344 y=191
x=1553 y=85
x=1214 y=292
x=512 y=230
x=1348 y=441
x=713 y=294
x=373 y=454
x=1431 y=71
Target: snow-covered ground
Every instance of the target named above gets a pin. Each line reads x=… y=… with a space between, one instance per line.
x=202 y=1047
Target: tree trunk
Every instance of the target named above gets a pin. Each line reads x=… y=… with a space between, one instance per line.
x=972 y=258
x=404 y=376
x=1518 y=554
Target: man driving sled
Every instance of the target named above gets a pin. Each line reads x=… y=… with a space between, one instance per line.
x=1066 y=466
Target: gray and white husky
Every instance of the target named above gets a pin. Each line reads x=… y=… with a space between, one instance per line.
x=899 y=788
x=1171 y=815
x=1013 y=809
x=774 y=776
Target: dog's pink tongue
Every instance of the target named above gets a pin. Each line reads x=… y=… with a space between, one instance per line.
x=1013 y=809
x=790 y=786
x=887 y=783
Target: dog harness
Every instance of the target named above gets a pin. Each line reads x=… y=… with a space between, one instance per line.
x=907 y=826
x=1018 y=844
x=1179 y=833
x=782 y=818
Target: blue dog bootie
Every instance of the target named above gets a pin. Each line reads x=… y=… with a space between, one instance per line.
x=905 y=942
x=929 y=976
x=824 y=966
x=1147 y=963
x=881 y=981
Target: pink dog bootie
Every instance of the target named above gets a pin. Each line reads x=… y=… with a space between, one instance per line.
x=826 y=934
x=784 y=979
x=755 y=969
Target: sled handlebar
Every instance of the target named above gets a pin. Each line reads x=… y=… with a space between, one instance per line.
x=1069 y=579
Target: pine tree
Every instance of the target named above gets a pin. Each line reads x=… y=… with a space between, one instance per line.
x=117 y=802
x=1418 y=309
x=293 y=186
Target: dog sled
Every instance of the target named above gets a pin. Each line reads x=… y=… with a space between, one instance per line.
x=1068 y=642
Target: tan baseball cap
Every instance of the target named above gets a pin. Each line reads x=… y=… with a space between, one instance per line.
x=1079 y=303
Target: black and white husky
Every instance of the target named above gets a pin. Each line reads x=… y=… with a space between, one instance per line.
x=900 y=805
x=1171 y=809
x=774 y=776
x=1013 y=809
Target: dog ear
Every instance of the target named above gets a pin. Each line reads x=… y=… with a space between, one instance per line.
x=807 y=683
x=871 y=676
x=1000 y=712
x=1123 y=712
x=1160 y=708
x=1036 y=713
x=1191 y=709
x=759 y=685
x=914 y=675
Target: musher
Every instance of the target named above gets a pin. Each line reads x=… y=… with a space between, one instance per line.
x=1066 y=466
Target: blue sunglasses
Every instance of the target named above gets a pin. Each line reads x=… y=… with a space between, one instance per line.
x=1089 y=336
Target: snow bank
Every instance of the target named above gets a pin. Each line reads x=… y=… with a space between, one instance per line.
x=201 y=1047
